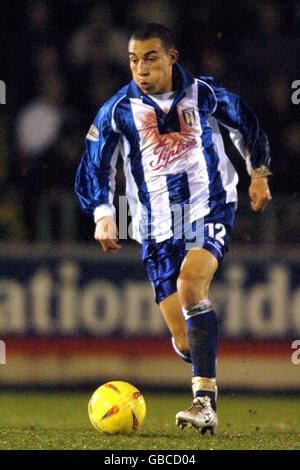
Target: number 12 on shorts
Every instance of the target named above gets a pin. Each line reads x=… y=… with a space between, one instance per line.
x=217 y=231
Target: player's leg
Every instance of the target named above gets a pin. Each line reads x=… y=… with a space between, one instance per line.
x=162 y=262
x=197 y=272
x=193 y=284
x=171 y=310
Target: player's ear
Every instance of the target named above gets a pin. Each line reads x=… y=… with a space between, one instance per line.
x=173 y=55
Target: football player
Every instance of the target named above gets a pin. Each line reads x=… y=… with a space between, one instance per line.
x=181 y=190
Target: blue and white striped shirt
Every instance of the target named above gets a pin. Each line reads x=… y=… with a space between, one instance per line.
x=173 y=158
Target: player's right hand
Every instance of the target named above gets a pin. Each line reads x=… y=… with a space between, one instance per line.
x=106 y=232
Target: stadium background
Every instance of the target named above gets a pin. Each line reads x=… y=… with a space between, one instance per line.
x=73 y=316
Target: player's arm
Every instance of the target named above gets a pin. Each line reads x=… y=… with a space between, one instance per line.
x=95 y=178
x=250 y=140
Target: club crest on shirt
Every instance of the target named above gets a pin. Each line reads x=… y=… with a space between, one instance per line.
x=93 y=133
x=189 y=116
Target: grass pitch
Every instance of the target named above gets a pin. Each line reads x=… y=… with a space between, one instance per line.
x=59 y=421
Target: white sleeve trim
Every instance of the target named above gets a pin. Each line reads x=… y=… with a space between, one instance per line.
x=238 y=141
x=113 y=122
x=104 y=210
x=214 y=95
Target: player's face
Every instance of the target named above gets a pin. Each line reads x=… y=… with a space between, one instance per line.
x=151 y=65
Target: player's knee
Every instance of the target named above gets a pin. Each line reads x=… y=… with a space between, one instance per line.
x=192 y=276
x=190 y=287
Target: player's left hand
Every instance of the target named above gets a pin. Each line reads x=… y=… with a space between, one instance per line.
x=259 y=193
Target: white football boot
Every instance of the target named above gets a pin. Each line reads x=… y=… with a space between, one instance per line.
x=200 y=415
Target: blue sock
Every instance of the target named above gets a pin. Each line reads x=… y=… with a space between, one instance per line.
x=202 y=329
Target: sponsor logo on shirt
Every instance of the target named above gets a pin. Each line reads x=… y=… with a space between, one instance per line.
x=166 y=154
